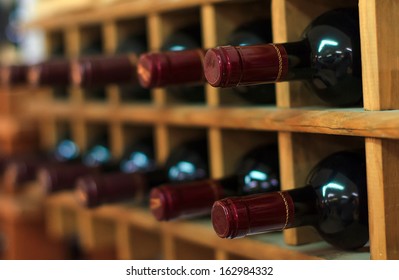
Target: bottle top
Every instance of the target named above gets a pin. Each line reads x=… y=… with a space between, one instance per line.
x=53 y=73
x=240 y=216
x=231 y=66
x=99 y=71
x=171 y=68
x=168 y=202
x=13 y=75
x=61 y=176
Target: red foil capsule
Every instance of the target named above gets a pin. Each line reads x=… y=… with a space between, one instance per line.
x=245 y=65
x=184 y=200
x=100 y=71
x=241 y=216
x=62 y=176
x=93 y=190
x=171 y=68
x=51 y=73
x=14 y=75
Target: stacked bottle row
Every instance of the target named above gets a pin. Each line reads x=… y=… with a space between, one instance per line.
x=327 y=59
x=248 y=201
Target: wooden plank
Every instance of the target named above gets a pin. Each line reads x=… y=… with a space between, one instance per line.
x=383 y=196
x=380 y=48
x=127 y=9
x=351 y=122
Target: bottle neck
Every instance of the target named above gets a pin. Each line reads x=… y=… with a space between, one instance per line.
x=304 y=202
x=240 y=216
x=231 y=66
x=298 y=55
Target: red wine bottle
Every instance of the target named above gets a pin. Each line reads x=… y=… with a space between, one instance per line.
x=185 y=163
x=22 y=169
x=14 y=75
x=50 y=73
x=327 y=59
x=178 y=66
x=97 y=158
x=334 y=201
x=257 y=172
x=110 y=69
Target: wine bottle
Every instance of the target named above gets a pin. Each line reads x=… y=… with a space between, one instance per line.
x=97 y=158
x=178 y=66
x=50 y=73
x=327 y=59
x=334 y=201
x=110 y=69
x=22 y=169
x=185 y=163
x=14 y=75
x=257 y=171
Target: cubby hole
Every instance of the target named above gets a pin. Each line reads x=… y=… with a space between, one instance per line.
x=174 y=25
x=299 y=14
x=132 y=38
x=136 y=133
x=56 y=50
x=233 y=27
x=186 y=250
x=98 y=133
x=299 y=154
x=236 y=144
x=144 y=244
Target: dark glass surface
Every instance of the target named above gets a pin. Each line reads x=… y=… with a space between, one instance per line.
x=254 y=33
x=186 y=38
x=335 y=57
x=340 y=184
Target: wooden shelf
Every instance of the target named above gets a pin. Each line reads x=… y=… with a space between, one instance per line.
x=334 y=121
x=305 y=130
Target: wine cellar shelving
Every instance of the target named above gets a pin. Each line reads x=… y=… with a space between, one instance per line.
x=305 y=129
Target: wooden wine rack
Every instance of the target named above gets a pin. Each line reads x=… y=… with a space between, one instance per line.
x=305 y=129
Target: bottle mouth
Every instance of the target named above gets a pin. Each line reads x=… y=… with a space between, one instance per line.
x=76 y=72
x=222 y=219
x=46 y=180
x=222 y=67
x=86 y=191
x=230 y=218
x=150 y=68
x=34 y=75
x=161 y=203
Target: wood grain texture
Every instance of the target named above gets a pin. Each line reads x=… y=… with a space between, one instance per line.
x=380 y=48
x=351 y=122
x=383 y=196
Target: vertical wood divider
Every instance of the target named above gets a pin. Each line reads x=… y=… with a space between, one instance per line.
x=122 y=245
x=287 y=144
x=380 y=62
x=209 y=37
